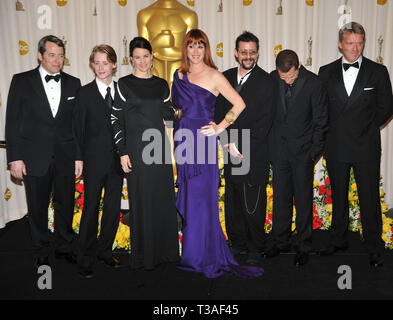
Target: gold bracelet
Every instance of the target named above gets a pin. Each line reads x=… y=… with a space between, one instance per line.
x=230 y=117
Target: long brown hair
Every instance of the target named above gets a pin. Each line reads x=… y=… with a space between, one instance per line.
x=196 y=36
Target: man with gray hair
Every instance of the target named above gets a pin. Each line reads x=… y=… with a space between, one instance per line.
x=42 y=149
x=360 y=102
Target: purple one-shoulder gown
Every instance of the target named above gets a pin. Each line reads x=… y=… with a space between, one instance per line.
x=204 y=248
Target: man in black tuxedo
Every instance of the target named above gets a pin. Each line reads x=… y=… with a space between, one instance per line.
x=245 y=193
x=42 y=149
x=102 y=168
x=298 y=137
x=360 y=102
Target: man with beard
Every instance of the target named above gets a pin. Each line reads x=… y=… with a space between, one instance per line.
x=245 y=194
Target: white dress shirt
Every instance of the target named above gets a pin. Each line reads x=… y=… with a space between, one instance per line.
x=350 y=75
x=52 y=90
x=102 y=88
x=247 y=75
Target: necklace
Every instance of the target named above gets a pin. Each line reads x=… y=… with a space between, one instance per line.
x=245 y=200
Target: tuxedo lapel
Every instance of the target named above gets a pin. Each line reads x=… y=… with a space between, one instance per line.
x=36 y=83
x=359 y=83
x=301 y=80
x=338 y=78
x=63 y=94
x=100 y=102
x=233 y=79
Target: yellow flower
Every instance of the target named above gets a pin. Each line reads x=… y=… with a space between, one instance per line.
x=354 y=186
x=76 y=219
x=381 y=192
x=330 y=208
x=269 y=191
x=384 y=207
x=352 y=197
x=316 y=184
x=221 y=191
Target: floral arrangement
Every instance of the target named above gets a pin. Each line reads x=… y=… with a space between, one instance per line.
x=322 y=208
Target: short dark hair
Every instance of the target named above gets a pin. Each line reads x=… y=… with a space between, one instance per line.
x=140 y=42
x=351 y=27
x=50 y=38
x=247 y=36
x=287 y=59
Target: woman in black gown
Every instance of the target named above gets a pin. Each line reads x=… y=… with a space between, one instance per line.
x=141 y=104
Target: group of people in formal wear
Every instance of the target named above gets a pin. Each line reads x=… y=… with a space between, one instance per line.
x=57 y=130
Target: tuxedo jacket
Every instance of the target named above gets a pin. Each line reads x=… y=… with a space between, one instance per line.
x=32 y=133
x=299 y=129
x=94 y=131
x=259 y=93
x=354 y=133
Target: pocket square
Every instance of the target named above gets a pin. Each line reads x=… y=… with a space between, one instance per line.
x=70 y=98
x=368 y=89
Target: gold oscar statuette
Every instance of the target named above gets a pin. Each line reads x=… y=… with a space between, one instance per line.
x=165 y=23
x=380 y=43
x=19 y=6
x=347 y=10
x=125 y=59
x=66 y=61
x=95 y=8
x=279 y=9
x=220 y=7
x=309 y=59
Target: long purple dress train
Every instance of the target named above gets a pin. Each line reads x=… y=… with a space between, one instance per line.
x=204 y=248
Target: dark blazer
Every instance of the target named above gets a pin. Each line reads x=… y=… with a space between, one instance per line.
x=259 y=94
x=299 y=129
x=354 y=133
x=32 y=133
x=94 y=130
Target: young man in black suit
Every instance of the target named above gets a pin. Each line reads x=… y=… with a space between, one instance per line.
x=245 y=194
x=360 y=102
x=298 y=137
x=42 y=149
x=102 y=168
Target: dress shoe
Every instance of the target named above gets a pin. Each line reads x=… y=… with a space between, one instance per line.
x=376 y=259
x=111 y=262
x=272 y=252
x=41 y=261
x=301 y=258
x=86 y=273
x=68 y=256
x=236 y=251
x=330 y=250
x=254 y=258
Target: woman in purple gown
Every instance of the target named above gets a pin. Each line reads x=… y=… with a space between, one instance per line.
x=195 y=88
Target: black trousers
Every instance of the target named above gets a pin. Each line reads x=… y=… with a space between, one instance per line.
x=292 y=180
x=245 y=215
x=367 y=175
x=89 y=245
x=38 y=191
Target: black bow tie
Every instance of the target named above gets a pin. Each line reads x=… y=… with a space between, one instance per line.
x=49 y=77
x=346 y=66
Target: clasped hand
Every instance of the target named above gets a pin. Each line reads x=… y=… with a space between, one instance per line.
x=126 y=163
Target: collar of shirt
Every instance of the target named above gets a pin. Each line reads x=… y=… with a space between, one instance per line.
x=358 y=60
x=246 y=76
x=44 y=73
x=102 y=88
x=350 y=75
